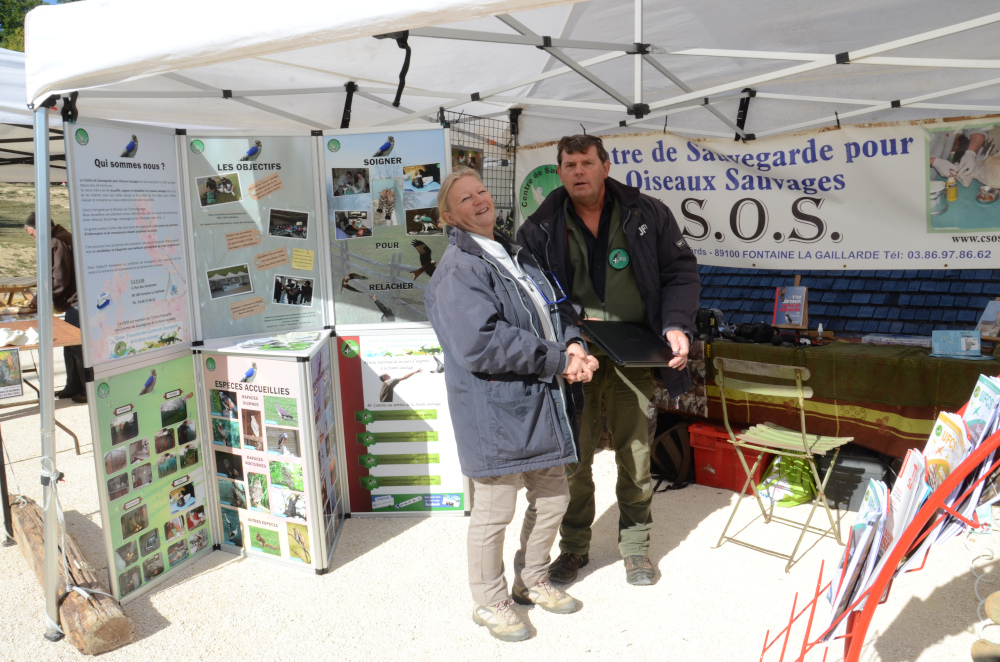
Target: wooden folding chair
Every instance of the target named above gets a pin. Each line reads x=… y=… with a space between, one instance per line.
x=770 y=438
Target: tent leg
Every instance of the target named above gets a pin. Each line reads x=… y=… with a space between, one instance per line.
x=8 y=523
x=46 y=404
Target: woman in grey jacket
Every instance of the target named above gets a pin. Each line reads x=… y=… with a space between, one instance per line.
x=507 y=356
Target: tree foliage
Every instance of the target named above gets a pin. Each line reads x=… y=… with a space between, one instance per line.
x=12 y=22
x=12 y=14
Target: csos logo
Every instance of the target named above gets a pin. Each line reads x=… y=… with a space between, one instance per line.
x=536 y=186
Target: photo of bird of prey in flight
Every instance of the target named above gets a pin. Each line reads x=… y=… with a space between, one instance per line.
x=131 y=148
x=345 y=284
x=386 y=147
x=253 y=152
x=427 y=264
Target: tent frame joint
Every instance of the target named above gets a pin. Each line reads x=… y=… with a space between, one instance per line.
x=638 y=109
x=843 y=58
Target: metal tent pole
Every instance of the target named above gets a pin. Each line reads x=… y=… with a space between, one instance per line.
x=46 y=398
x=638 y=58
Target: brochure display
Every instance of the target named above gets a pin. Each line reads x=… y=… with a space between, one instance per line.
x=10 y=373
x=400 y=453
x=262 y=398
x=150 y=459
x=128 y=240
x=791 y=307
x=255 y=235
x=385 y=234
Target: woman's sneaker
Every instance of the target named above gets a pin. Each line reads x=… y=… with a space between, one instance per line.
x=546 y=596
x=501 y=621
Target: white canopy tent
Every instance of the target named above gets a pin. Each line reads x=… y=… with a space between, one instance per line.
x=17 y=152
x=607 y=66
x=565 y=64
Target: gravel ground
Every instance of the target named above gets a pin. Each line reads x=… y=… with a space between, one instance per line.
x=398 y=587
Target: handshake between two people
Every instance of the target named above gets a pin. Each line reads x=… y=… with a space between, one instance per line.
x=580 y=366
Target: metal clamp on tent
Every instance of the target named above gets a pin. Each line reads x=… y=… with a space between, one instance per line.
x=514 y=116
x=69 y=111
x=741 y=114
x=402 y=40
x=345 y=119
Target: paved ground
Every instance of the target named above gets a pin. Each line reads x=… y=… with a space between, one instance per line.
x=398 y=588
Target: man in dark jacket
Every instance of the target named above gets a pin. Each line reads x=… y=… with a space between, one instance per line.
x=64 y=301
x=619 y=256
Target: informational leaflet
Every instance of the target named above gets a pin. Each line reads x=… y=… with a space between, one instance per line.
x=790 y=307
x=321 y=376
x=10 y=373
x=255 y=234
x=385 y=232
x=151 y=471
x=401 y=452
x=256 y=428
x=134 y=295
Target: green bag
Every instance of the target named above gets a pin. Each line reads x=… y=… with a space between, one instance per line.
x=788 y=482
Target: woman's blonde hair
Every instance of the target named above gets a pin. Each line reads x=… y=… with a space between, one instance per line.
x=449 y=181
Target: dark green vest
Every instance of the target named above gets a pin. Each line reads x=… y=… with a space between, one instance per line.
x=623 y=300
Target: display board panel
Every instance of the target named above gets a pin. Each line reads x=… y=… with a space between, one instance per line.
x=129 y=242
x=260 y=424
x=256 y=234
x=400 y=447
x=385 y=233
x=150 y=460
x=328 y=457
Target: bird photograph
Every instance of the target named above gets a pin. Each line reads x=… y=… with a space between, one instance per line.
x=292 y=502
x=131 y=148
x=283 y=444
x=345 y=283
x=386 y=147
x=250 y=374
x=150 y=383
x=239 y=499
x=283 y=413
x=427 y=264
x=255 y=426
x=297 y=536
x=252 y=153
x=228 y=407
x=221 y=433
x=438 y=367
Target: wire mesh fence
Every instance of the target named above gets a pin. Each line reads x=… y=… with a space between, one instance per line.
x=486 y=145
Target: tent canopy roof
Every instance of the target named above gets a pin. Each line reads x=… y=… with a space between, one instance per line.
x=208 y=63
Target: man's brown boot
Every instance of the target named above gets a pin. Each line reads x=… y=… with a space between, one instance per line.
x=565 y=568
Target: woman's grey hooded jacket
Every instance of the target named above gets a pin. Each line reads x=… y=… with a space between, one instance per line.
x=509 y=411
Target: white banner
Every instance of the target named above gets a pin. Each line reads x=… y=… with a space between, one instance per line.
x=854 y=198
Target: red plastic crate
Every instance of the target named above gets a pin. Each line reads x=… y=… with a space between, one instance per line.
x=715 y=461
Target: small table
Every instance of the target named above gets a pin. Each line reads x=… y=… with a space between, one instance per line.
x=22 y=285
x=63 y=335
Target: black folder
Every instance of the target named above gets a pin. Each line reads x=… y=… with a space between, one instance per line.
x=628 y=345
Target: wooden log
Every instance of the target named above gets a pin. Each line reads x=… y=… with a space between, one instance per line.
x=93 y=626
